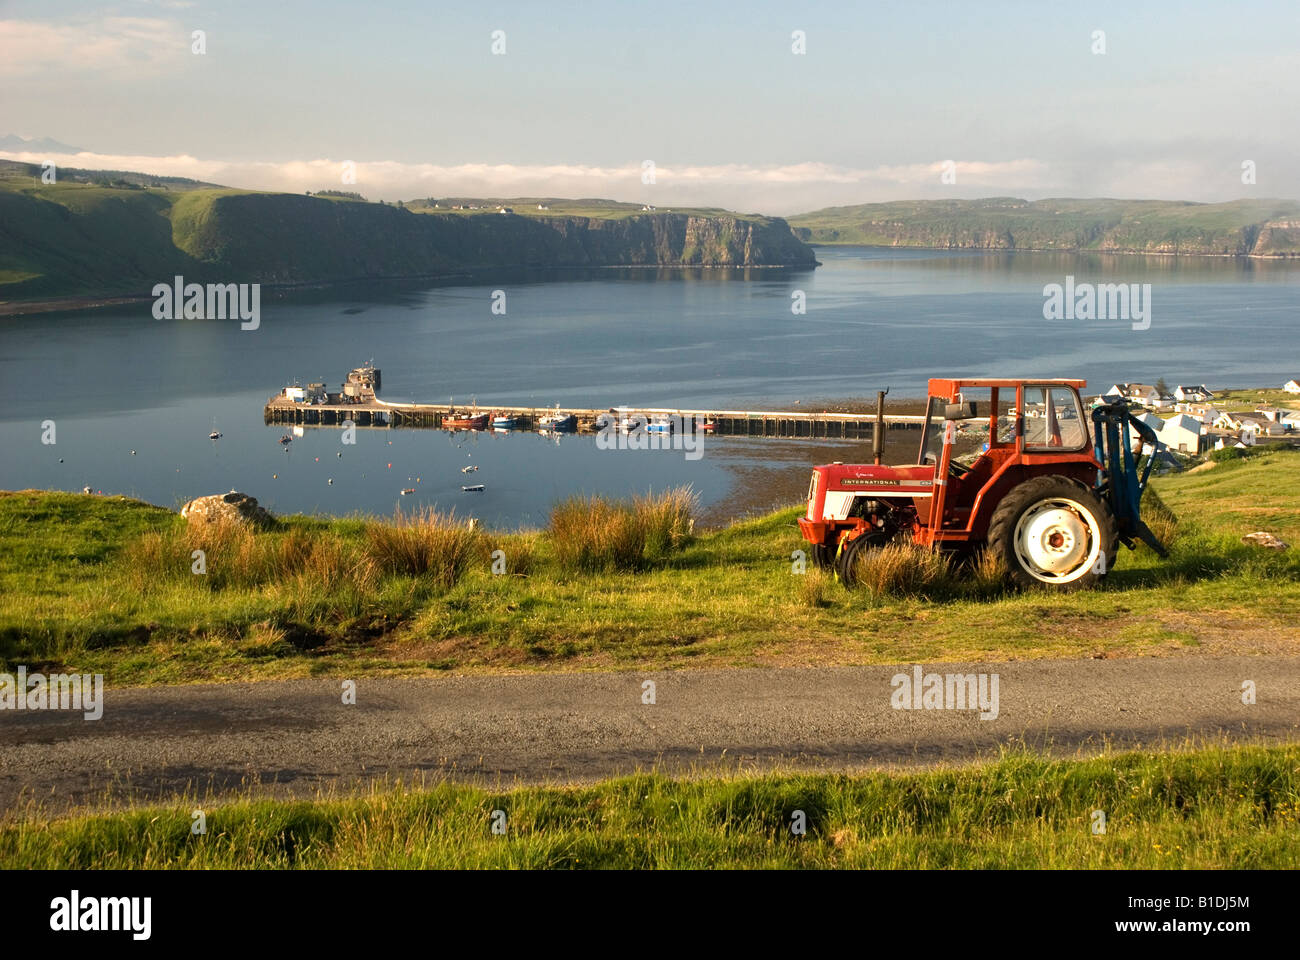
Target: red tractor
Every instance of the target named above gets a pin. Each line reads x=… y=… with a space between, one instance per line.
x=1051 y=494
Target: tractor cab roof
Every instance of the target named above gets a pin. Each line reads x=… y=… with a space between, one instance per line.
x=950 y=388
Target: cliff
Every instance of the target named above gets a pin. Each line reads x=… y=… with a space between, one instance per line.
x=1240 y=228
x=96 y=240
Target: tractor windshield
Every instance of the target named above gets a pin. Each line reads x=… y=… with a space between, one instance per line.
x=1054 y=419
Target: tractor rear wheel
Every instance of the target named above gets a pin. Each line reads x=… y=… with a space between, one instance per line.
x=1053 y=531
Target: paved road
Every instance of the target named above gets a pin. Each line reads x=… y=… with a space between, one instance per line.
x=296 y=737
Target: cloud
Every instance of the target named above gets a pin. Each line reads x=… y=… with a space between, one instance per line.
x=778 y=189
x=105 y=44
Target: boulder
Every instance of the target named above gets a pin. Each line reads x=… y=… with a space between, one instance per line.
x=1262 y=539
x=232 y=507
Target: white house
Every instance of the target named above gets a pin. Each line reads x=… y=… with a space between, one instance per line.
x=1199 y=392
x=1225 y=421
x=1143 y=393
x=1289 y=419
x=1291 y=386
x=1182 y=433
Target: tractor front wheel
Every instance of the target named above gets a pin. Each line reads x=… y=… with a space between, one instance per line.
x=1053 y=531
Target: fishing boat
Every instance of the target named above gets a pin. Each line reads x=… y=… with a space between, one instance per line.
x=407 y=491
x=470 y=469
x=505 y=422
x=214 y=435
x=465 y=421
x=559 y=422
x=286 y=439
x=473 y=488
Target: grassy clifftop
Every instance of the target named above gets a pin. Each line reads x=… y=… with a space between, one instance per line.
x=1257 y=228
x=87 y=239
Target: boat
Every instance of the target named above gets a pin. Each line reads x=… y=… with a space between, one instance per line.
x=559 y=422
x=214 y=435
x=406 y=491
x=470 y=469
x=473 y=488
x=660 y=425
x=708 y=426
x=286 y=439
x=505 y=422
x=465 y=421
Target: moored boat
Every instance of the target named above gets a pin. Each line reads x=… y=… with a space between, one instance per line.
x=465 y=421
x=505 y=422
x=559 y=422
x=473 y=488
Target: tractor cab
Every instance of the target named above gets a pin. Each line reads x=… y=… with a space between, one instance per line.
x=986 y=445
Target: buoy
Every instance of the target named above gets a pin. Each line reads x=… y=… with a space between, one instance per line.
x=390 y=466
x=331 y=481
x=318 y=459
x=275 y=476
x=339 y=454
x=133 y=453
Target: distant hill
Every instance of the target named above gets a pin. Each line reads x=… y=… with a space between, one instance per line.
x=1240 y=228
x=106 y=233
x=16 y=144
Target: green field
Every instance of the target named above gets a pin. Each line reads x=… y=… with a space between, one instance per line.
x=1219 y=808
x=103 y=584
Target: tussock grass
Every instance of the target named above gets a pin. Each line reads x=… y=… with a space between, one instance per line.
x=594 y=533
x=427 y=542
x=1217 y=808
x=902 y=569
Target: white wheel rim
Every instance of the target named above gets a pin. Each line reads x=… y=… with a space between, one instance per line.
x=1057 y=540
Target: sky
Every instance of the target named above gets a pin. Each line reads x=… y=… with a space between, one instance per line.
x=888 y=101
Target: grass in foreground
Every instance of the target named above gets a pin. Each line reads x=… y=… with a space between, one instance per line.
x=1220 y=808
x=78 y=590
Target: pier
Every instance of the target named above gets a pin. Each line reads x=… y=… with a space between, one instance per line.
x=359 y=403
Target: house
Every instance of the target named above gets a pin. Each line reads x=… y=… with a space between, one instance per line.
x=1268 y=413
x=1199 y=410
x=1182 y=433
x=1291 y=386
x=1156 y=424
x=1143 y=393
x=1199 y=392
x=505 y=210
x=1225 y=420
x=1116 y=391
x=1290 y=420
x=1261 y=427
x=542 y=206
x=647 y=207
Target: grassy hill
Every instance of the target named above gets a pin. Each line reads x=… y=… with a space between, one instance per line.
x=1257 y=228
x=103 y=584
x=113 y=236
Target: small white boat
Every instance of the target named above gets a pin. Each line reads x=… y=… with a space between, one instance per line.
x=470 y=469
x=473 y=488
x=407 y=491
x=214 y=435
